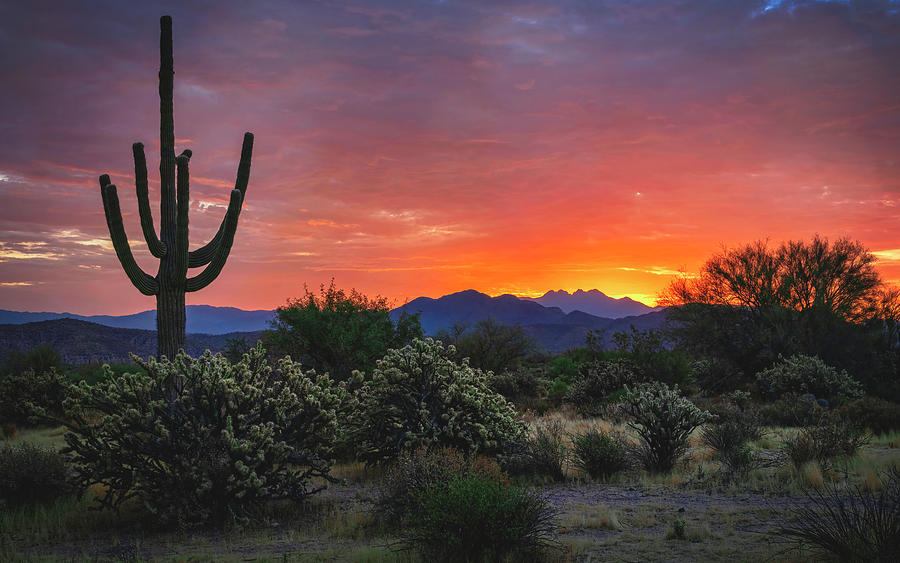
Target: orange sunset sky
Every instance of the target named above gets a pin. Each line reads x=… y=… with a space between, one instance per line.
x=411 y=148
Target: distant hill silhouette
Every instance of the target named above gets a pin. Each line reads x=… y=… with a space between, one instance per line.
x=201 y=319
x=593 y=302
x=80 y=342
x=553 y=329
x=107 y=338
x=471 y=306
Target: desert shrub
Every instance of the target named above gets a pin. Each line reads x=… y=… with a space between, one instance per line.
x=30 y=473
x=663 y=420
x=852 y=524
x=490 y=345
x=714 y=375
x=729 y=437
x=824 y=442
x=31 y=396
x=808 y=374
x=235 y=348
x=792 y=409
x=557 y=390
x=599 y=454
x=595 y=382
x=563 y=368
x=652 y=358
x=561 y=373
x=733 y=428
x=541 y=453
x=474 y=518
x=419 y=470
x=337 y=332
x=521 y=382
x=418 y=396
x=876 y=414
x=198 y=440
x=40 y=359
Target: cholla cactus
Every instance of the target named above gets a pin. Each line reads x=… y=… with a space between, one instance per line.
x=663 y=419
x=418 y=396
x=232 y=437
x=171 y=246
x=809 y=374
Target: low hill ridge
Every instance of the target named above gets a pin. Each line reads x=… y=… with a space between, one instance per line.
x=80 y=342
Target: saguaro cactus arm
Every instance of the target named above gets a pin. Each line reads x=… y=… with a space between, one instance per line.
x=217 y=262
x=181 y=219
x=144 y=282
x=156 y=246
x=203 y=255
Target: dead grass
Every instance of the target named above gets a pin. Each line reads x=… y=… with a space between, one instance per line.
x=582 y=516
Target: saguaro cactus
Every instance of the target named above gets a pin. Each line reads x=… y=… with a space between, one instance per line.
x=171 y=246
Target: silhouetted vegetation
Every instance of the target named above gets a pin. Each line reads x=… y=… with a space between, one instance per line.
x=754 y=304
x=489 y=345
x=337 y=332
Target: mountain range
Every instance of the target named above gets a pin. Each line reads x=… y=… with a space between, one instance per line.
x=553 y=329
x=593 y=302
x=105 y=338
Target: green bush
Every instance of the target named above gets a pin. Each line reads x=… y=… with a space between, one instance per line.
x=599 y=454
x=556 y=390
x=29 y=473
x=199 y=440
x=490 y=345
x=714 y=375
x=851 y=524
x=808 y=374
x=792 y=410
x=563 y=368
x=96 y=372
x=519 y=383
x=830 y=439
x=416 y=471
x=418 y=396
x=474 y=518
x=337 y=332
x=595 y=382
x=29 y=396
x=663 y=420
x=876 y=414
x=653 y=360
x=40 y=359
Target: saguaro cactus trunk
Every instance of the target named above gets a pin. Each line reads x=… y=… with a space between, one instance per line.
x=171 y=246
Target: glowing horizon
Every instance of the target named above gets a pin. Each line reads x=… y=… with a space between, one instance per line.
x=413 y=149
